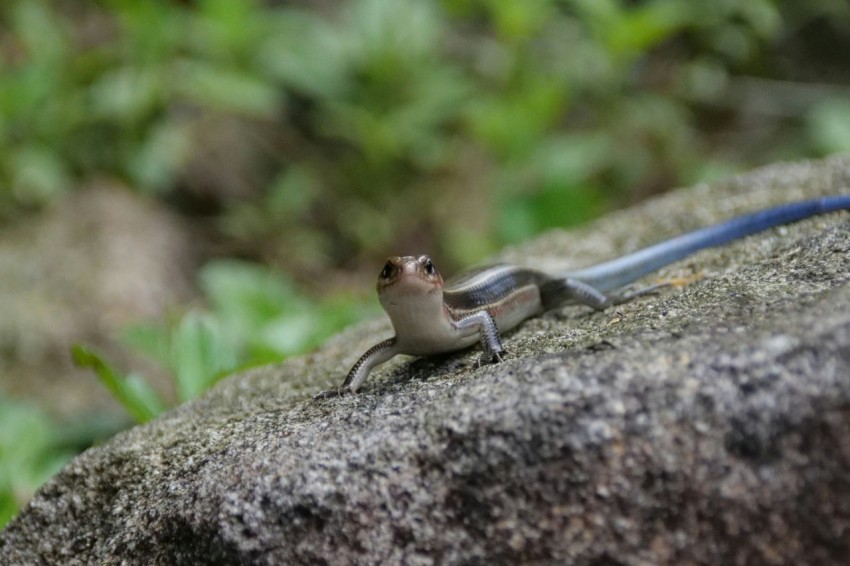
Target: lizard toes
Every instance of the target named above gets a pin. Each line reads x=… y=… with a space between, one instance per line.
x=491 y=358
x=338 y=392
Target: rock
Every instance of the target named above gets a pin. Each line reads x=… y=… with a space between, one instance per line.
x=705 y=425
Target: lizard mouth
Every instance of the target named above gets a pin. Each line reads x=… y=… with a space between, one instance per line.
x=407 y=284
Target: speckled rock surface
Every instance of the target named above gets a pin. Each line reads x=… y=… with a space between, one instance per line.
x=705 y=425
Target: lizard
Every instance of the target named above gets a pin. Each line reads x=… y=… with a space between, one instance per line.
x=431 y=316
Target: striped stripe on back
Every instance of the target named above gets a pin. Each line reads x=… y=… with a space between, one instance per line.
x=485 y=286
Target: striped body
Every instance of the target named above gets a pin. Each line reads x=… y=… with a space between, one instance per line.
x=508 y=293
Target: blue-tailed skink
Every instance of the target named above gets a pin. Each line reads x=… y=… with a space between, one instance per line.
x=432 y=317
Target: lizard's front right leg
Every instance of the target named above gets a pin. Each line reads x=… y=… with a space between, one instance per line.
x=377 y=354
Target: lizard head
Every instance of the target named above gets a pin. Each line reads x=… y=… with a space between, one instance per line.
x=412 y=273
x=410 y=289
x=409 y=278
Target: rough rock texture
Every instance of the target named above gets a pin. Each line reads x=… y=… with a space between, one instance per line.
x=706 y=425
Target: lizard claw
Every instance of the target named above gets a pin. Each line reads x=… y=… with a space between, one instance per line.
x=338 y=392
x=491 y=358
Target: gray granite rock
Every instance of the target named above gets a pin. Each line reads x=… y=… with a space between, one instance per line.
x=709 y=424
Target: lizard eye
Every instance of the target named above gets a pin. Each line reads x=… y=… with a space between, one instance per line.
x=387 y=271
x=429 y=267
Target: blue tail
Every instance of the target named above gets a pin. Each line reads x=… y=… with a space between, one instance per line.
x=620 y=272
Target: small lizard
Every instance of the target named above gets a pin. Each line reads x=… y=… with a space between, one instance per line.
x=432 y=317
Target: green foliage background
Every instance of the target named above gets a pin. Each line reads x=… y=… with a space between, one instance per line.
x=317 y=137
x=348 y=127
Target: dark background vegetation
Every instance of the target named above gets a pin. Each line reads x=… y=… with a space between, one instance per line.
x=285 y=148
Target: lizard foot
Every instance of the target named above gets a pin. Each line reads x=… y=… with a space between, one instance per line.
x=338 y=392
x=490 y=358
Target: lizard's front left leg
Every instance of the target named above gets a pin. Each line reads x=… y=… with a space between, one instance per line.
x=488 y=333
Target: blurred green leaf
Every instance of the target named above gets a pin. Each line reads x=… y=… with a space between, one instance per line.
x=829 y=125
x=570 y=157
x=245 y=296
x=158 y=157
x=125 y=93
x=264 y=317
x=644 y=26
x=293 y=192
x=520 y=20
x=42 y=33
x=140 y=401
x=200 y=354
x=512 y=124
x=225 y=89
x=306 y=54
x=704 y=80
x=230 y=29
x=153 y=32
x=553 y=205
x=194 y=350
x=763 y=16
x=28 y=454
x=150 y=340
x=38 y=176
